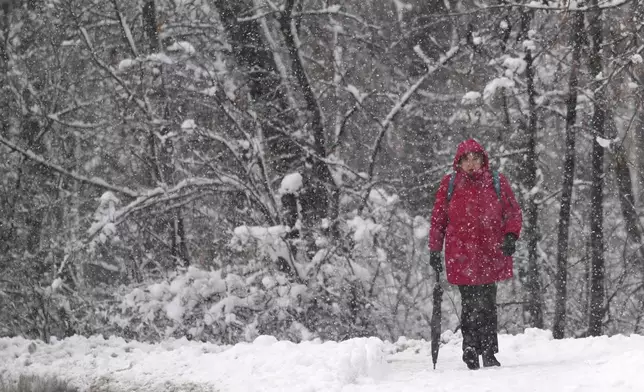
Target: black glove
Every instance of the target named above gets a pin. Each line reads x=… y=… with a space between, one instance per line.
x=509 y=244
x=436 y=261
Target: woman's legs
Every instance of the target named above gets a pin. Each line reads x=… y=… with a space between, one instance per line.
x=479 y=322
x=470 y=319
x=488 y=332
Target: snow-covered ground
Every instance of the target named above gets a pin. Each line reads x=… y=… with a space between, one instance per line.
x=532 y=361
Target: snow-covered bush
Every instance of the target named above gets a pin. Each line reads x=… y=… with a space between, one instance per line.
x=391 y=253
x=225 y=308
x=370 y=281
x=199 y=304
x=36 y=384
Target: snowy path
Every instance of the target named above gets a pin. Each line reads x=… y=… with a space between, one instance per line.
x=529 y=365
x=532 y=362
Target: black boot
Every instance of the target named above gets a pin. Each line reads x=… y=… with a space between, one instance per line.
x=471 y=358
x=489 y=359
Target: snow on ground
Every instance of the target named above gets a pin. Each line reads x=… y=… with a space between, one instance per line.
x=532 y=361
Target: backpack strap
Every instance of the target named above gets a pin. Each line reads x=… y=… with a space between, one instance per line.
x=497 y=183
x=450 y=188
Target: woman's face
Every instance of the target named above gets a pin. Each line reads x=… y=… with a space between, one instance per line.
x=471 y=161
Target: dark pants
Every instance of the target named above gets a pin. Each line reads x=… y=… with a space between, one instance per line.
x=478 y=319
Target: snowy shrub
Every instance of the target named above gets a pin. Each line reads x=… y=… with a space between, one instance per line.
x=225 y=307
x=196 y=303
x=36 y=384
x=371 y=281
x=390 y=254
x=31 y=308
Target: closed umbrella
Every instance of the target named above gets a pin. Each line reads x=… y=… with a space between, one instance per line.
x=435 y=324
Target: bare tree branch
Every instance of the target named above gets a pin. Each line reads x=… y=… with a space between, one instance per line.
x=386 y=122
x=98 y=182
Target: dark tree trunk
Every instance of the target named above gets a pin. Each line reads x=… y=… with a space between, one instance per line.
x=162 y=153
x=322 y=195
x=533 y=281
x=318 y=198
x=638 y=155
x=35 y=178
x=150 y=25
x=561 y=277
x=597 y=270
x=250 y=51
x=253 y=54
x=627 y=200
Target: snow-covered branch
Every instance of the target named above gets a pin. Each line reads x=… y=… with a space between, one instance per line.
x=112 y=73
x=98 y=182
x=341 y=125
x=126 y=29
x=255 y=144
x=618 y=70
x=147 y=198
x=386 y=122
x=335 y=10
x=78 y=124
x=159 y=195
x=279 y=63
x=256 y=16
x=79 y=105
x=544 y=6
x=332 y=10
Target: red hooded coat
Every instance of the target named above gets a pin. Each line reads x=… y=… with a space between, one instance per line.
x=474 y=223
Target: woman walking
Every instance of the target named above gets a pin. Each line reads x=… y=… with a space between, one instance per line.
x=477 y=217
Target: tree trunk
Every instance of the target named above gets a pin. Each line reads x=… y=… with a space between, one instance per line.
x=318 y=198
x=252 y=53
x=561 y=277
x=597 y=270
x=627 y=201
x=533 y=281
x=162 y=153
x=321 y=197
x=636 y=155
x=150 y=25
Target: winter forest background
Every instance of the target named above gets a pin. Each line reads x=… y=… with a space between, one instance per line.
x=221 y=169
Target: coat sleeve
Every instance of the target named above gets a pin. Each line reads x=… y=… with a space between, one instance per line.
x=512 y=215
x=438 y=223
